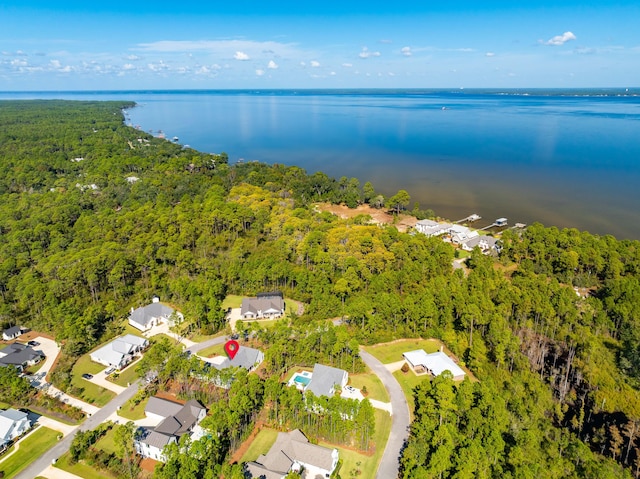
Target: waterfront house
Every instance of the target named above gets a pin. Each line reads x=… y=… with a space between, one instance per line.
x=153 y=314
x=434 y=363
x=487 y=244
x=13 y=424
x=120 y=352
x=292 y=451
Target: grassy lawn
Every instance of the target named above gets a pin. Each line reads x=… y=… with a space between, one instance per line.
x=408 y=381
x=263 y=323
x=211 y=351
x=126 y=376
x=80 y=469
x=368 y=464
x=260 y=445
x=129 y=411
x=199 y=338
x=107 y=442
x=392 y=352
x=29 y=450
x=375 y=388
x=93 y=393
x=291 y=306
x=232 y=301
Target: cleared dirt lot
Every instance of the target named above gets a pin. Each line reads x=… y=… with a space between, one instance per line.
x=402 y=222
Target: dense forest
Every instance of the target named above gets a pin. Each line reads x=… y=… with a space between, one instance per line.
x=96 y=217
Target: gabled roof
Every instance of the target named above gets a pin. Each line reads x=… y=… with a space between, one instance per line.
x=268 y=304
x=162 y=407
x=289 y=448
x=152 y=437
x=324 y=378
x=12 y=331
x=113 y=352
x=245 y=358
x=489 y=240
x=13 y=414
x=8 y=420
x=146 y=313
x=18 y=354
x=182 y=421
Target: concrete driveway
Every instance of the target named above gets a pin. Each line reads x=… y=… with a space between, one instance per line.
x=100 y=379
x=163 y=328
x=390 y=463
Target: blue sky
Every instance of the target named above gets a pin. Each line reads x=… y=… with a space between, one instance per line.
x=119 y=45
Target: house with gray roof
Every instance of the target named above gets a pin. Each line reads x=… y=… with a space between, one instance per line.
x=487 y=244
x=184 y=418
x=12 y=333
x=292 y=451
x=151 y=315
x=247 y=358
x=324 y=380
x=120 y=352
x=264 y=306
x=19 y=356
x=13 y=424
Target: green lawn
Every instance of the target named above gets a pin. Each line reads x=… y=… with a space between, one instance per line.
x=211 y=351
x=80 y=469
x=408 y=381
x=232 y=301
x=374 y=386
x=93 y=393
x=368 y=463
x=29 y=450
x=126 y=376
x=129 y=411
x=107 y=442
x=260 y=445
x=392 y=352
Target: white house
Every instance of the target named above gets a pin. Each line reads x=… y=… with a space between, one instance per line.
x=177 y=420
x=434 y=363
x=11 y=333
x=264 y=306
x=292 y=451
x=487 y=244
x=151 y=315
x=120 y=352
x=432 y=228
x=460 y=234
x=13 y=424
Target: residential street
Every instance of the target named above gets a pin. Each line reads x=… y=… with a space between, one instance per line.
x=390 y=463
x=205 y=344
x=37 y=467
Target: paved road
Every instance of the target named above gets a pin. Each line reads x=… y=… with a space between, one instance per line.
x=205 y=344
x=38 y=466
x=390 y=462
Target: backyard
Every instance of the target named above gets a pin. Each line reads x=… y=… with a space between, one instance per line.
x=392 y=352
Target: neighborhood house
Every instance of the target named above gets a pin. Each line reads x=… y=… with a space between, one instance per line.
x=147 y=317
x=323 y=380
x=292 y=451
x=247 y=358
x=119 y=352
x=434 y=363
x=20 y=356
x=175 y=420
x=487 y=244
x=264 y=306
x=11 y=333
x=13 y=424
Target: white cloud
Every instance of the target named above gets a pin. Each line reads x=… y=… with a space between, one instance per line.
x=561 y=39
x=387 y=41
x=347 y=65
x=303 y=64
x=55 y=64
x=489 y=54
x=259 y=72
x=128 y=66
x=406 y=51
x=242 y=56
x=314 y=63
x=272 y=65
x=332 y=74
x=133 y=58
x=365 y=53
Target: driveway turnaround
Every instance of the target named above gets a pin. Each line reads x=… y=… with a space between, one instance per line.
x=390 y=463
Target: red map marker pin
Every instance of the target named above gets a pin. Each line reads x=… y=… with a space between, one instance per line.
x=231 y=347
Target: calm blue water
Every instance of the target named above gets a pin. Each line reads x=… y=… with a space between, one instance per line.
x=563 y=158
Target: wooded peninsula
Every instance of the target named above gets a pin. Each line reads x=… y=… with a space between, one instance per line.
x=97 y=217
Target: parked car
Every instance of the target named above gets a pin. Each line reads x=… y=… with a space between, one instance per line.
x=87 y=376
x=234 y=336
x=33 y=344
x=110 y=370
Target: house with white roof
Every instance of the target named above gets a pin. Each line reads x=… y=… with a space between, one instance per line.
x=13 y=424
x=432 y=228
x=292 y=451
x=120 y=352
x=263 y=306
x=176 y=420
x=460 y=234
x=146 y=317
x=434 y=363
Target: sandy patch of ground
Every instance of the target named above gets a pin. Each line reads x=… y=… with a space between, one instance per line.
x=402 y=222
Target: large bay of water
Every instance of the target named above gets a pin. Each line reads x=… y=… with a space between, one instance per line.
x=564 y=158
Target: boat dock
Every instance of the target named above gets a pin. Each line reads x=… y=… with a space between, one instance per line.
x=497 y=223
x=469 y=219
